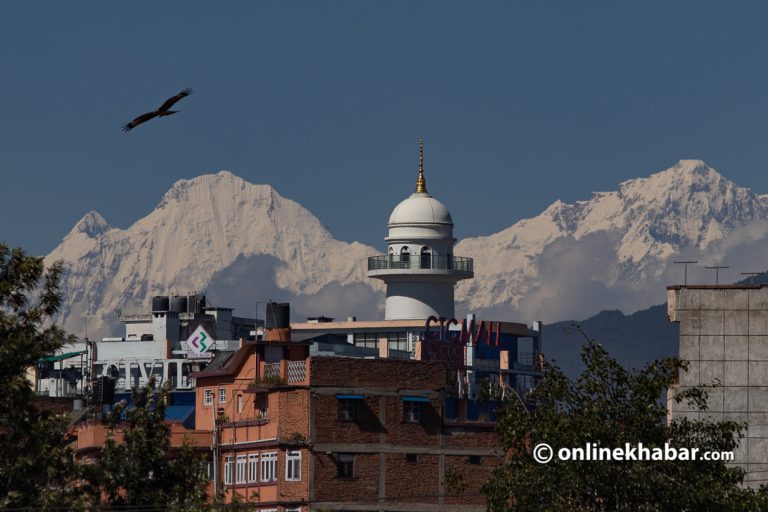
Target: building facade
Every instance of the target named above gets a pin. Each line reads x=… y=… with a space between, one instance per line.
x=724 y=336
x=341 y=433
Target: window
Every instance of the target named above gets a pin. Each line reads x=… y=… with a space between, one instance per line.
x=367 y=340
x=293 y=465
x=209 y=470
x=411 y=457
x=347 y=409
x=239 y=404
x=222 y=395
x=241 y=466
x=405 y=257
x=253 y=467
x=345 y=465
x=475 y=459
x=228 y=463
x=426 y=258
x=397 y=344
x=412 y=412
x=208 y=396
x=269 y=467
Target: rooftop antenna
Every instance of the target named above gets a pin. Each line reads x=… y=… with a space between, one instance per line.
x=685 y=264
x=717 y=271
x=751 y=276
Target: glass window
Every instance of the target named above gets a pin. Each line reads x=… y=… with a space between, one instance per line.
x=228 y=463
x=293 y=465
x=222 y=395
x=208 y=397
x=347 y=409
x=345 y=465
x=241 y=467
x=397 y=345
x=412 y=412
x=253 y=467
x=269 y=467
x=239 y=404
x=367 y=340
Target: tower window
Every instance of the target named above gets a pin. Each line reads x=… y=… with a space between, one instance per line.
x=426 y=258
x=405 y=257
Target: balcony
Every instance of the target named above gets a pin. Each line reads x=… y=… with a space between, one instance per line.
x=281 y=373
x=424 y=263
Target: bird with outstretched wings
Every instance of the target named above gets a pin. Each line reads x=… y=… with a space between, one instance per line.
x=164 y=110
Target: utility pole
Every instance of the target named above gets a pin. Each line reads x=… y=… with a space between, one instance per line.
x=685 y=263
x=717 y=271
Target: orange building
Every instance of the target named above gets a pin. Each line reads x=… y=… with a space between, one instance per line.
x=295 y=432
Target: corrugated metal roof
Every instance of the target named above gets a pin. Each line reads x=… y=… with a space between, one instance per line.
x=180 y=413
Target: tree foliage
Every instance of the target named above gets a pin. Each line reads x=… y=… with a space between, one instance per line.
x=611 y=406
x=37 y=469
x=139 y=469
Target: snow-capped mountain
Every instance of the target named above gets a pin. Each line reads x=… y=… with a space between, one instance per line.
x=245 y=242
x=624 y=238
x=200 y=227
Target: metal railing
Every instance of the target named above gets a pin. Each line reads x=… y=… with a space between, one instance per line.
x=272 y=371
x=297 y=371
x=420 y=261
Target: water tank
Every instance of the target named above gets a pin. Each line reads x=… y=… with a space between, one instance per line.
x=178 y=304
x=160 y=303
x=278 y=315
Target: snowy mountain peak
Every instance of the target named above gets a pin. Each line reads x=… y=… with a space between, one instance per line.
x=92 y=225
x=637 y=228
x=201 y=227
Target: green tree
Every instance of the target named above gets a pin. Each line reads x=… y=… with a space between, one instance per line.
x=37 y=469
x=610 y=406
x=140 y=470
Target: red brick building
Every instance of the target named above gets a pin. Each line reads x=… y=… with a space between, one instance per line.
x=295 y=432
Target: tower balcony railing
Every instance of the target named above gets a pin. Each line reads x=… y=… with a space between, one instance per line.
x=419 y=261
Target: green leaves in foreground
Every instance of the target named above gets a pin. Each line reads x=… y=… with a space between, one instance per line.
x=611 y=406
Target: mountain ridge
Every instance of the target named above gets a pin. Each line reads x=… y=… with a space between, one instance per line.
x=612 y=249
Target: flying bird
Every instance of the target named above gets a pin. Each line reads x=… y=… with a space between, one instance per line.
x=164 y=110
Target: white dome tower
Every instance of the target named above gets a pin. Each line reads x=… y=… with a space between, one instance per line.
x=419 y=268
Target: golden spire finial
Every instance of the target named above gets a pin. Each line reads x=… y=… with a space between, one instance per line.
x=421 y=184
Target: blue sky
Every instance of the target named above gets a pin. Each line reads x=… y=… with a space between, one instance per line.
x=520 y=103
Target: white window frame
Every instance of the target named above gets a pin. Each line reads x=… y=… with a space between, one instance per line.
x=208 y=396
x=411 y=412
x=253 y=467
x=229 y=464
x=240 y=469
x=343 y=459
x=268 y=464
x=293 y=466
x=347 y=409
x=222 y=395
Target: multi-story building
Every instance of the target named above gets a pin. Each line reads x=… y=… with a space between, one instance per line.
x=301 y=432
x=724 y=336
x=155 y=344
x=387 y=415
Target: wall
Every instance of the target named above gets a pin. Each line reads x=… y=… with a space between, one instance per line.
x=724 y=335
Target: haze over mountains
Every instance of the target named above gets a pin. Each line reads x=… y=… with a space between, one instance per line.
x=243 y=243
